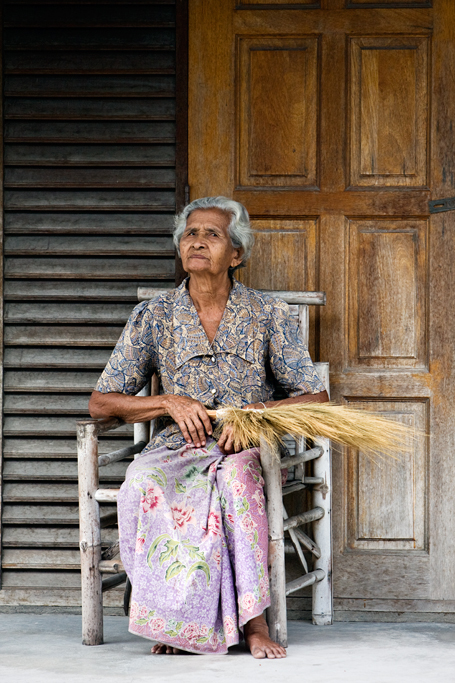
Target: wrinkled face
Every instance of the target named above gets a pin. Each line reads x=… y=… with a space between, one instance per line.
x=205 y=246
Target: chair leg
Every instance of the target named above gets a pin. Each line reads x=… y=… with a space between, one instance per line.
x=90 y=534
x=271 y=470
x=322 y=529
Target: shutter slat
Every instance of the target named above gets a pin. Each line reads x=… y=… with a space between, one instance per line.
x=89 y=62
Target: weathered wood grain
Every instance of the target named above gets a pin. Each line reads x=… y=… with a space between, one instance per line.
x=64 y=313
x=17 y=176
x=88 y=15
x=48 y=537
x=50 y=404
x=86 y=223
x=89 y=131
x=90 y=38
x=90 y=86
x=59 y=154
x=90 y=268
x=89 y=61
x=91 y=200
x=67 y=358
x=32 y=245
x=38 y=380
x=33 y=335
x=47 y=448
x=62 y=290
x=50 y=426
x=55 y=470
x=135 y=109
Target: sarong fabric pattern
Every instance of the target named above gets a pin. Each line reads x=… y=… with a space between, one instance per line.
x=193 y=540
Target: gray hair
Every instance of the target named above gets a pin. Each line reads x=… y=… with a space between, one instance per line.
x=239 y=228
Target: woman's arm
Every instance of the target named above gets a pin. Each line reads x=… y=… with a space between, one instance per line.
x=190 y=415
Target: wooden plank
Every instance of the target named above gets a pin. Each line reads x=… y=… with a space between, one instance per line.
x=27 y=335
x=18 y=176
x=90 y=268
x=86 y=223
x=90 y=131
x=52 y=426
x=1 y=308
x=92 y=109
x=97 y=200
x=90 y=86
x=43 y=357
x=35 y=380
x=89 y=39
x=88 y=15
x=51 y=404
x=49 y=537
x=55 y=448
x=58 y=599
x=41 y=579
x=58 y=470
x=40 y=493
x=67 y=313
x=40 y=559
x=90 y=155
x=95 y=62
x=61 y=290
x=32 y=514
x=89 y=246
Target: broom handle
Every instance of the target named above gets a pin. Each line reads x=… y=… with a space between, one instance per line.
x=212 y=414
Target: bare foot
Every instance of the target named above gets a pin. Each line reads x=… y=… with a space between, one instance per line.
x=161 y=649
x=258 y=640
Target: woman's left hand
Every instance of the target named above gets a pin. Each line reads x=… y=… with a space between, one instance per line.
x=226 y=441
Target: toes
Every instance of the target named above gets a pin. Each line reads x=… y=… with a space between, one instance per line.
x=258 y=653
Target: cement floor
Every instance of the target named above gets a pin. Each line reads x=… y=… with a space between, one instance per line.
x=47 y=649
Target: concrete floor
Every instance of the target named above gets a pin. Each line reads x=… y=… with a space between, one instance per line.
x=47 y=649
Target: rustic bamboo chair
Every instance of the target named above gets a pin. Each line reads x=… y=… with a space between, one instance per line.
x=95 y=563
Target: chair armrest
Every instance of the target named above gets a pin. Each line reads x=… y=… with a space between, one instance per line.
x=101 y=426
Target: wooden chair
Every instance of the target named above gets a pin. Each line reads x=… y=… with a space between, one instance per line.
x=95 y=563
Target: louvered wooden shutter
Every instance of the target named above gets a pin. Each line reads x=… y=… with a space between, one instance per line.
x=89 y=194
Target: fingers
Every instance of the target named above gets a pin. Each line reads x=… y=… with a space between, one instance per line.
x=191 y=417
x=227 y=442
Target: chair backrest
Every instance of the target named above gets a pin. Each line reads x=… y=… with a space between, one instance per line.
x=298 y=302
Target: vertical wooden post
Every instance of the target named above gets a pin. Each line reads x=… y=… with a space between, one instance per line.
x=271 y=470
x=322 y=528
x=89 y=533
x=142 y=429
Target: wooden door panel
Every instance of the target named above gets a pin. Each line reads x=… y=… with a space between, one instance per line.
x=285 y=258
x=387 y=321
x=278 y=103
x=389 y=102
x=385 y=499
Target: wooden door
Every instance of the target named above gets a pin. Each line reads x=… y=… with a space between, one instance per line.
x=331 y=121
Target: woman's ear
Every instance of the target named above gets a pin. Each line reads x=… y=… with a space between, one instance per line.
x=237 y=258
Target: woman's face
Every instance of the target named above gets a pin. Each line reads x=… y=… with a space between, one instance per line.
x=205 y=246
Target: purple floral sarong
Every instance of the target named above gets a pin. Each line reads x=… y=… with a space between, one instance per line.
x=193 y=541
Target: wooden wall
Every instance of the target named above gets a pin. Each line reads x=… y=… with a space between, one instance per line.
x=89 y=194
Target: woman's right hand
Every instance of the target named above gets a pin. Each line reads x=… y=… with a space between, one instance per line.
x=191 y=416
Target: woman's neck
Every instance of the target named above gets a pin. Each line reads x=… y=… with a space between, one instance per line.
x=209 y=292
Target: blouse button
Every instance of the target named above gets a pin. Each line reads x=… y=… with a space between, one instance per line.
x=213 y=391
x=213 y=359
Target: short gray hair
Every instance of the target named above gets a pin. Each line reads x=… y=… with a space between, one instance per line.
x=239 y=228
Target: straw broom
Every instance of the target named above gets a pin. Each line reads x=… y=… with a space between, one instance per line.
x=369 y=432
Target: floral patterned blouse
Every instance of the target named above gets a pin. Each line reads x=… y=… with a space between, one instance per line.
x=256 y=348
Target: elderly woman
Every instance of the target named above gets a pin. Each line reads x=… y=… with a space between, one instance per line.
x=193 y=533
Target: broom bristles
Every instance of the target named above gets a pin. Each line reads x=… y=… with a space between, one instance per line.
x=371 y=433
